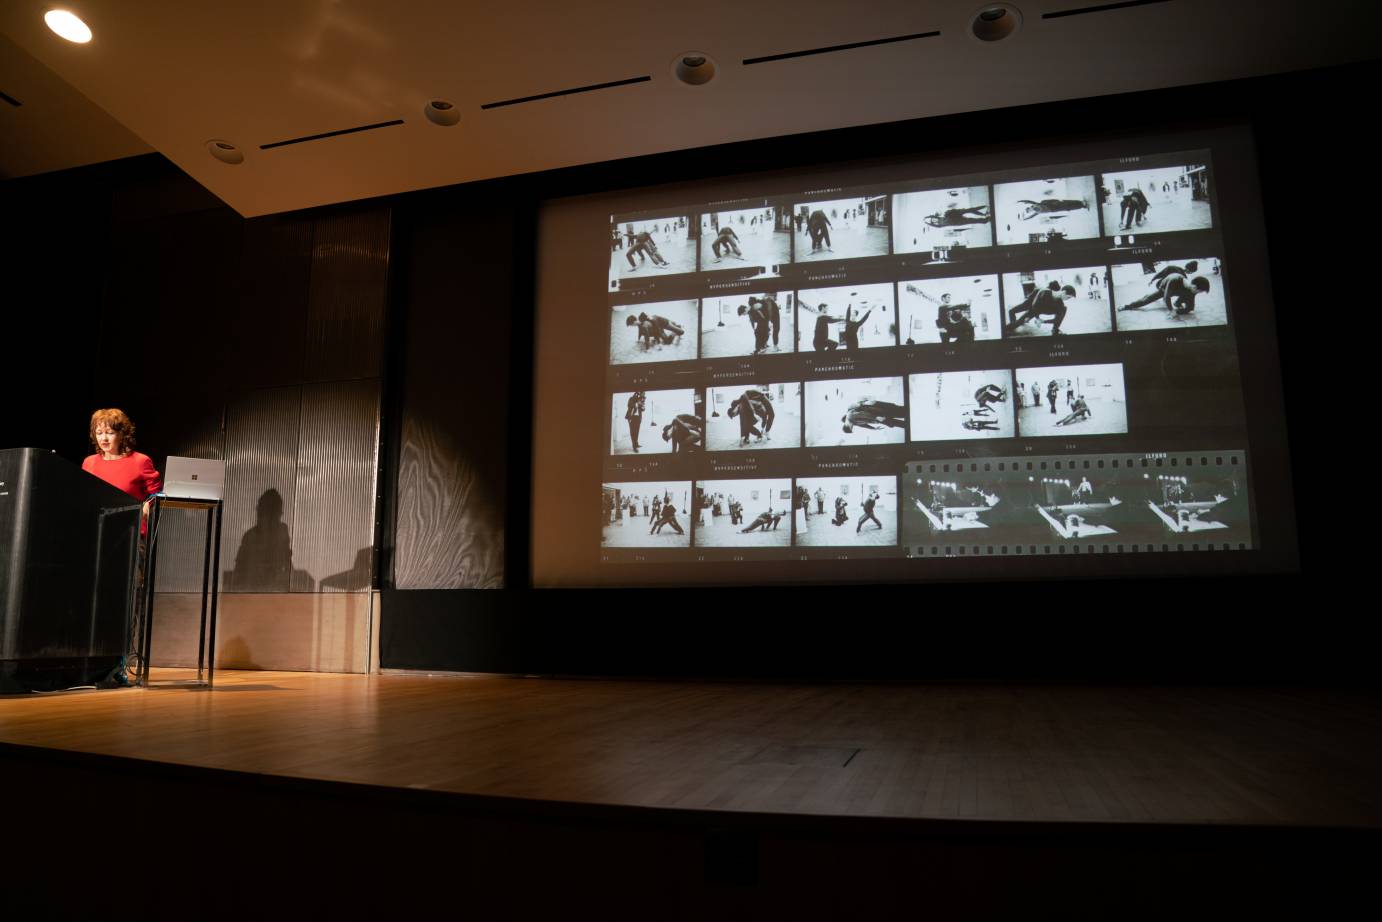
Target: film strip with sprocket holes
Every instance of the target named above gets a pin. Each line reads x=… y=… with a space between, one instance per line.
x=1081 y=504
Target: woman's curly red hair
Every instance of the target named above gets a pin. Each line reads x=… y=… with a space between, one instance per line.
x=119 y=423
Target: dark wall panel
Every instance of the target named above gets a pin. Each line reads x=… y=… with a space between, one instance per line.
x=334 y=500
x=456 y=407
x=172 y=287
x=458 y=630
x=55 y=241
x=1024 y=632
x=263 y=340
x=261 y=486
x=176 y=289
x=347 y=295
x=128 y=327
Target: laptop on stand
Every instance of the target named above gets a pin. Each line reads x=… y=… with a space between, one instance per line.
x=194 y=478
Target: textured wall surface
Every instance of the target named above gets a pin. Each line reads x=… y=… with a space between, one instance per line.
x=456 y=408
x=260 y=343
x=276 y=370
x=346 y=298
x=334 y=501
x=261 y=488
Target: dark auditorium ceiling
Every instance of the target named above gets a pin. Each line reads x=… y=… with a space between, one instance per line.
x=170 y=75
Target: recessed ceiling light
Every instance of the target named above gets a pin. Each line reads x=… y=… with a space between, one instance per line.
x=693 y=68
x=225 y=151
x=68 y=25
x=441 y=112
x=995 y=22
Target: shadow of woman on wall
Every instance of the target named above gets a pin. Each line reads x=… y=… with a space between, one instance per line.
x=264 y=562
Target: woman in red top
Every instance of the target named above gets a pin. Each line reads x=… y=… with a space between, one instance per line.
x=116 y=462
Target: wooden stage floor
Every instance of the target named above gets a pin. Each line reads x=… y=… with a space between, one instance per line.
x=1054 y=753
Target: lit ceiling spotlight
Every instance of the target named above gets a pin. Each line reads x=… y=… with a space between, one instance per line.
x=441 y=112
x=68 y=25
x=995 y=21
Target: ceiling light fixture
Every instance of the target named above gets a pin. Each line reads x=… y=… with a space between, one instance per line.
x=225 y=152
x=996 y=21
x=441 y=112
x=693 y=68
x=68 y=25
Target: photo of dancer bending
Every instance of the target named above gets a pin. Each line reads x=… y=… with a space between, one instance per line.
x=1174 y=287
x=1080 y=414
x=656 y=329
x=1043 y=302
x=742 y=513
x=644 y=248
x=765 y=520
x=686 y=432
x=751 y=407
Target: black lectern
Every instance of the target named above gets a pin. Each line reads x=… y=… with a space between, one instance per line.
x=68 y=545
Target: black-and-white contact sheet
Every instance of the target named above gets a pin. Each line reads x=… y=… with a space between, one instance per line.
x=1006 y=364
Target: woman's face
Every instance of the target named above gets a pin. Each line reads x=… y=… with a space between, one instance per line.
x=107 y=439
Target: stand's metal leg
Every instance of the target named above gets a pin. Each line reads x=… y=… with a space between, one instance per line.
x=215 y=587
x=132 y=600
x=150 y=572
x=201 y=630
x=142 y=614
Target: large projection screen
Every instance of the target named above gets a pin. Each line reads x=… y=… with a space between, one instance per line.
x=1050 y=361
